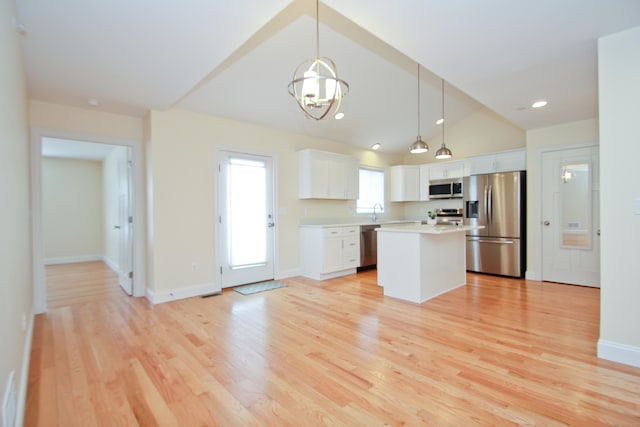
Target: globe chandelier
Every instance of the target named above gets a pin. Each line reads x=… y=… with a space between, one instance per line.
x=316 y=86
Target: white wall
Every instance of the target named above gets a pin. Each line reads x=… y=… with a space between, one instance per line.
x=16 y=297
x=566 y=134
x=72 y=206
x=182 y=182
x=619 y=92
x=86 y=122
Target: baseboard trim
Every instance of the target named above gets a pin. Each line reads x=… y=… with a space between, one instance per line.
x=73 y=259
x=285 y=274
x=182 y=293
x=531 y=275
x=621 y=353
x=325 y=276
x=24 y=375
x=112 y=265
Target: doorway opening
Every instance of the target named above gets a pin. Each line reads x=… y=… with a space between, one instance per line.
x=83 y=226
x=87 y=220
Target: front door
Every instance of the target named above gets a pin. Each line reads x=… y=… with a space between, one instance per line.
x=245 y=218
x=570 y=216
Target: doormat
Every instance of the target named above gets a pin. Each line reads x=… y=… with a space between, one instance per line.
x=259 y=287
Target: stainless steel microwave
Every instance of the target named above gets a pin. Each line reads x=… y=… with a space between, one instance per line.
x=445 y=188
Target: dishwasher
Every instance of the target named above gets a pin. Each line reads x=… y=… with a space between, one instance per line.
x=368 y=246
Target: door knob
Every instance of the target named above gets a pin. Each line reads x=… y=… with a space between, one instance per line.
x=547 y=223
x=117 y=227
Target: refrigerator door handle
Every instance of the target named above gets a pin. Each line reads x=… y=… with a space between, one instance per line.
x=496 y=242
x=485 y=206
x=490 y=205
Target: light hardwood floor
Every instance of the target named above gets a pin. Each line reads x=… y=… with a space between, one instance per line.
x=80 y=282
x=496 y=352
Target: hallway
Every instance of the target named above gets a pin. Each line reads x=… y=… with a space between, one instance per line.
x=82 y=282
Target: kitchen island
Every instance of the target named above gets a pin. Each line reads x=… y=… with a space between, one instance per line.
x=419 y=262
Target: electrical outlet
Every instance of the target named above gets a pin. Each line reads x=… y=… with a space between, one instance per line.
x=194 y=266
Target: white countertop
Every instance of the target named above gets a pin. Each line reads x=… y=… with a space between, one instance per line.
x=397 y=222
x=428 y=229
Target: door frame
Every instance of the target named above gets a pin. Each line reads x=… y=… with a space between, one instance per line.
x=37 y=234
x=217 y=158
x=538 y=212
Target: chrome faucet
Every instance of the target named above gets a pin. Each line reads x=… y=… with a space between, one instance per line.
x=374 y=217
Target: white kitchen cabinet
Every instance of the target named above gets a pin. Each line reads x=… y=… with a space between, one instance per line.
x=324 y=175
x=410 y=183
x=504 y=161
x=331 y=255
x=405 y=183
x=424 y=182
x=328 y=252
x=446 y=170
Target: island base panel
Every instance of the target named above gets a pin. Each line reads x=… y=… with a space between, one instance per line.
x=417 y=267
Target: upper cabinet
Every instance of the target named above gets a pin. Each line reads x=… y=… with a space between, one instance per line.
x=410 y=183
x=325 y=175
x=453 y=169
x=504 y=161
x=405 y=183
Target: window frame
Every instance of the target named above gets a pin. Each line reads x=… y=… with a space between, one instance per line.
x=369 y=209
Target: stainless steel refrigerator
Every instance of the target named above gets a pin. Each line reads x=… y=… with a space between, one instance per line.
x=497 y=202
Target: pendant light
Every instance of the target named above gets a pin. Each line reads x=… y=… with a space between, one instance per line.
x=419 y=146
x=443 y=152
x=316 y=86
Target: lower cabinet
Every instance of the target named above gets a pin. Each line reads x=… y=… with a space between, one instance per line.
x=328 y=252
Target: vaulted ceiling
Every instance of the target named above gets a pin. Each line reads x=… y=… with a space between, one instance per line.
x=235 y=58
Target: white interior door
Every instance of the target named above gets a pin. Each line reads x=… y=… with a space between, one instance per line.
x=570 y=216
x=125 y=214
x=245 y=218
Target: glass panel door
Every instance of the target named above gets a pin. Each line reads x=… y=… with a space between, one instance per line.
x=570 y=216
x=576 y=205
x=246 y=213
x=246 y=224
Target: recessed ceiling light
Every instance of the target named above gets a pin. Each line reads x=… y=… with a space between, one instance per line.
x=375 y=146
x=440 y=121
x=339 y=116
x=538 y=104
